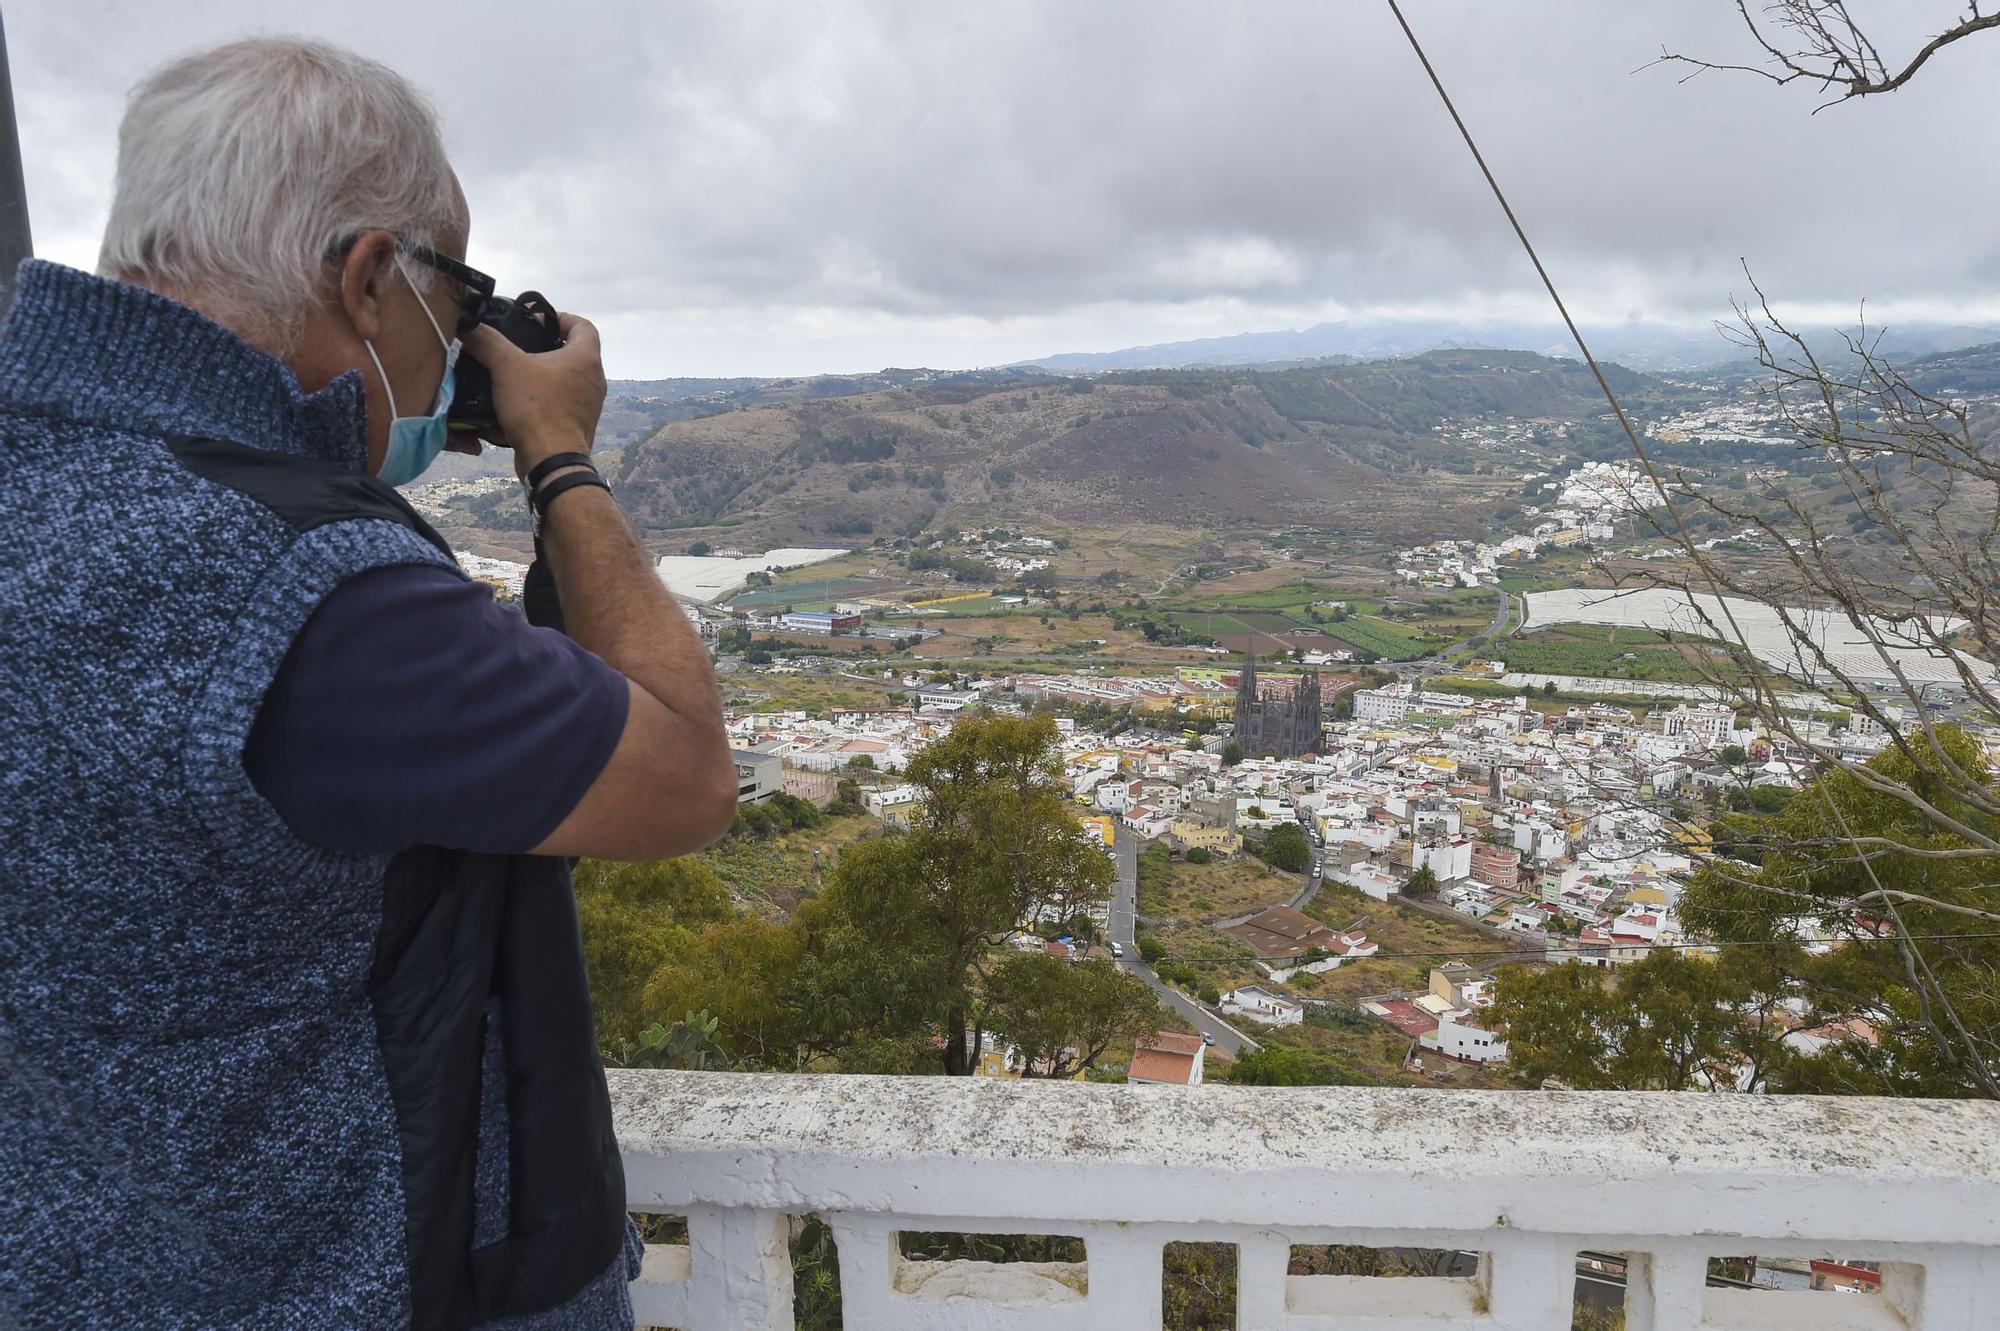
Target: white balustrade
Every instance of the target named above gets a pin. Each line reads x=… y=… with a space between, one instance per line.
x=1525 y=1179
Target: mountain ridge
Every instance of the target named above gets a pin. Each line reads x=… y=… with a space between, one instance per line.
x=1349 y=445
x=1654 y=347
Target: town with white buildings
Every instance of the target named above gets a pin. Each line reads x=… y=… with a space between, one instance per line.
x=1555 y=833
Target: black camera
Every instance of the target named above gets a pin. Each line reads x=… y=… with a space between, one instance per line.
x=530 y=323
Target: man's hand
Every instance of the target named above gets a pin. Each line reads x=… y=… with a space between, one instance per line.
x=669 y=786
x=547 y=402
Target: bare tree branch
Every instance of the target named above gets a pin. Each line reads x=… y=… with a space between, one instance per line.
x=1819 y=42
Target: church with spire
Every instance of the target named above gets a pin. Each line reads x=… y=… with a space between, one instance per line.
x=1288 y=726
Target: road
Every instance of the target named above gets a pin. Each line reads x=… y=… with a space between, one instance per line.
x=1312 y=876
x=1424 y=666
x=1124 y=921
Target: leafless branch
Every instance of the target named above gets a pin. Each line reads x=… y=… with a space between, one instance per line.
x=1819 y=42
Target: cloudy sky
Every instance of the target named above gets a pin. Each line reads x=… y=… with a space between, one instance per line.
x=764 y=188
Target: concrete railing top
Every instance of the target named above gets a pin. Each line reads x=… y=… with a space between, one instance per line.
x=1526 y=1180
x=1596 y=1147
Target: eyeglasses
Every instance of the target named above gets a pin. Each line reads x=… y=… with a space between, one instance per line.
x=478 y=286
x=478 y=293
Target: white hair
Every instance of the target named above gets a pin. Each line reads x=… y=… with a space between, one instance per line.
x=240 y=168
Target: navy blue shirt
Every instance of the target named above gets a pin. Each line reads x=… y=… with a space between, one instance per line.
x=414 y=710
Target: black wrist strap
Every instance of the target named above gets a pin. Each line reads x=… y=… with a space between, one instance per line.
x=562 y=485
x=556 y=462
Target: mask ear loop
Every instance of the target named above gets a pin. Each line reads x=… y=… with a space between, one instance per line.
x=387 y=391
x=443 y=341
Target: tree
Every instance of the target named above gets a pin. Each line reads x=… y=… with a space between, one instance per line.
x=901 y=934
x=698 y=549
x=1063 y=1015
x=634 y=919
x=1899 y=856
x=862 y=762
x=1422 y=883
x=1232 y=754
x=743 y=973
x=1733 y=755
x=1671 y=1023
x=846 y=798
x=1198 y=855
x=1286 y=847
x=1151 y=949
x=1912 y=899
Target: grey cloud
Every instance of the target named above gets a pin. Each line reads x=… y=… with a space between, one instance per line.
x=696 y=173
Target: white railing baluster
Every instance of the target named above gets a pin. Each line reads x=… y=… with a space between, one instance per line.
x=1531 y=1282
x=741 y=1277
x=866 y=1247
x=1125 y=1276
x=1664 y=1289
x=1262 y=1259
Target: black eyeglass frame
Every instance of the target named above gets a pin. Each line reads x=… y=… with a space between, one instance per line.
x=478 y=297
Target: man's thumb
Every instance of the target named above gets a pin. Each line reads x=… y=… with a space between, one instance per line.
x=488 y=346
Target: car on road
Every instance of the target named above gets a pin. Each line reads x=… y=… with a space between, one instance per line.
x=1207 y=1039
x=1117 y=950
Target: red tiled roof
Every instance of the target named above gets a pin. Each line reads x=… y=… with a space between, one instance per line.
x=1174 y=1042
x=1157 y=1065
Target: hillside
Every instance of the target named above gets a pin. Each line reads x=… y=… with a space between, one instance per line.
x=634 y=408
x=1646 y=346
x=1349 y=446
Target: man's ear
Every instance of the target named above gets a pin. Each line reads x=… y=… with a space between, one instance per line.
x=364 y=274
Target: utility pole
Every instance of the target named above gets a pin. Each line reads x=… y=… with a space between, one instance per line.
x=16 y=243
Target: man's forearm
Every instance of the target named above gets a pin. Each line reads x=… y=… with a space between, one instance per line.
x=614 y=604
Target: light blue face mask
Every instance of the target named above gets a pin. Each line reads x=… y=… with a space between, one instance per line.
x=415 y=441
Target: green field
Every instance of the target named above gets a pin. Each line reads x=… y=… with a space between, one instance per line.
x=1391 y=641
x=1266 y=622
x=1291 y=596
x=1210 y=623
x=816 y=593
x=1605 y=653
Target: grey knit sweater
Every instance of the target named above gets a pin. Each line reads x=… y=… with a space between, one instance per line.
x=195 y=1127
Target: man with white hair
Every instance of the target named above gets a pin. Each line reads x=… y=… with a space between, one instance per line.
x=294 y=1028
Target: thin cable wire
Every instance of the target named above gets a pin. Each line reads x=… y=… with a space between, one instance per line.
x=1519 y=232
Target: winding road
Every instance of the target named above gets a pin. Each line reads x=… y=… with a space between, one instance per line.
x=1124 y=925
x=1424 y=666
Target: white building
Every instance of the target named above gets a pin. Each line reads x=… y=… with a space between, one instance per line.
x=1449 y=860
x=1459 y=1034
x=894 y=804
x=1372 y=880
x=1384 y=704
x=1264 y=1006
